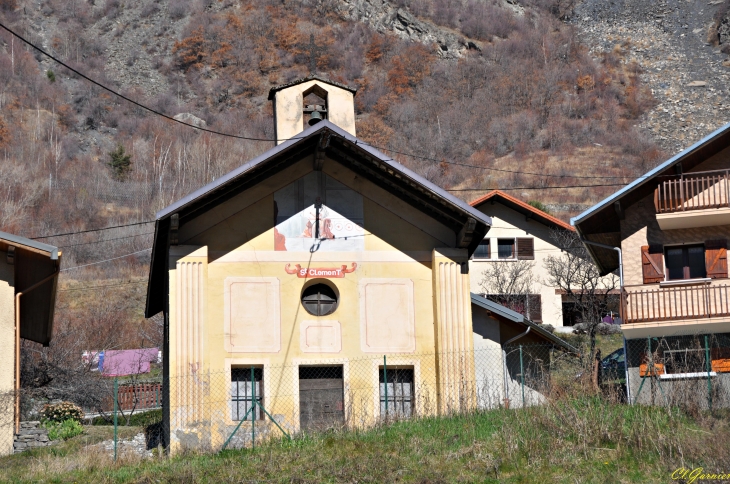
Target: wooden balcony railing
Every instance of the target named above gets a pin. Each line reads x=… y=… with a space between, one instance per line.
x=641 y=304
x=693 y=191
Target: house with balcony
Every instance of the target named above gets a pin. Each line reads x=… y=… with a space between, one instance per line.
x=667 y=232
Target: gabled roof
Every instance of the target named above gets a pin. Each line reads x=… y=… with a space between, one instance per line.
x=511 y=317
x=602 y=222
x=313 y=77
x=34 y=262
x=469 y=225
x=522 y=207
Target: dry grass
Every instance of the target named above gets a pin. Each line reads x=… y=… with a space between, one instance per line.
x=568 y=440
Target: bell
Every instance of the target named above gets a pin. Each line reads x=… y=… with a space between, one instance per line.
x=316 y=118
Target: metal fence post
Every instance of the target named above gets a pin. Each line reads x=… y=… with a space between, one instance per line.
x=709 y=370
x=385 y=380
x=253 y=407
x=522 y=378
x=116 y=396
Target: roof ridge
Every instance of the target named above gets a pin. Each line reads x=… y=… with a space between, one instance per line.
x=526 y=206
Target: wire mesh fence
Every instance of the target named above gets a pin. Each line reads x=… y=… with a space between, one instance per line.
x=245 y=401
x=691 y=372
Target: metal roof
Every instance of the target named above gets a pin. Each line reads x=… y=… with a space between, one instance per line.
x=307 y=133
x=312 y=77
x=469 y=224
x=513 y=316
x=17 y=239
x=649 y=175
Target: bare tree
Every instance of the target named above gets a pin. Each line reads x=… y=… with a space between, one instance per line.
x=510 y=284
x=575 y=273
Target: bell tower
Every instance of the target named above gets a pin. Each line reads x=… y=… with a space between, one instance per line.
x=305 y=102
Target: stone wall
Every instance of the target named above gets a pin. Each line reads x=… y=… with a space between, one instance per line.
x=31 y=435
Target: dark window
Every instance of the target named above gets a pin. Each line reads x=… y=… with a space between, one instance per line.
x=686 y=262
x=482 y=251
x=506 y=248
x=242 y=393
x=319 y=300
x=526 y=248
x=399 y=389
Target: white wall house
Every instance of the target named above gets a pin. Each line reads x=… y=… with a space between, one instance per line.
x=520 y=232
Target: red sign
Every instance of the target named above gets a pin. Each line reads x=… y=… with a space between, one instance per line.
x=330 y=272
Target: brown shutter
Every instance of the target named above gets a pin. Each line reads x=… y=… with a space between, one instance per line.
x=716 y=258
x=534 y=305
x=652 y=263
x=526 y=249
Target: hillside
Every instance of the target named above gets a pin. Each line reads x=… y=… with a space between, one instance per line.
x=542 y=98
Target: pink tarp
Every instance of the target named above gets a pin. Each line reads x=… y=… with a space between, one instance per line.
x=128 y=362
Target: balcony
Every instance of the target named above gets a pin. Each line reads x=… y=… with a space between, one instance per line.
x=675 y=308
x=700 y=199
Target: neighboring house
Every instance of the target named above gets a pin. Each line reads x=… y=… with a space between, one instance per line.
x=498 y=334
x=28 y=276
x=521 y=232
x=295 y=275
x=672 y=227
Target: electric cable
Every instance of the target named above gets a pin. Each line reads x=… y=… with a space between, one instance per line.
x=105 y=240
x=91 y=230
x=106 y=260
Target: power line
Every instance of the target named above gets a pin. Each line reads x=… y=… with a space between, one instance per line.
x=146 y=108
x=89 y=288
x=535 y=188
x=91 y=230
x=105 y=240
x=106 y=260
x=489 y=168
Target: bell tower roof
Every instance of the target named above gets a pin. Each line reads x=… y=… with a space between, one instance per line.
x=313 y=77
x=309 y=100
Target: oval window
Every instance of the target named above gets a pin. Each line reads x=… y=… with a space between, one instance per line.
x=319 y=300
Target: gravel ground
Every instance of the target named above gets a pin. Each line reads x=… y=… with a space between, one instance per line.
x=689 y=77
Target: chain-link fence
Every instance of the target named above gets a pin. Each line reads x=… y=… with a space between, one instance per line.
x=691 y=372
x=249 y=400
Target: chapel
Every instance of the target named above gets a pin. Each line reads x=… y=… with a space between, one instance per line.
x=321 y=282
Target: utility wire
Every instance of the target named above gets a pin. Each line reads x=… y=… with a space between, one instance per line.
x=535 y=188
x=89 y=288
x=105 y=240
x=106 y=260
x=91 y=230
x=146 y=108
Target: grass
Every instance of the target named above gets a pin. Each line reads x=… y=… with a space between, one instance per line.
x=572 y=440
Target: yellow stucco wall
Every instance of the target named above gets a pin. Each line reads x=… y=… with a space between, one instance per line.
x=7 y=354
x=407 y=298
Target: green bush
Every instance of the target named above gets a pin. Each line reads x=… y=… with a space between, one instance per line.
x=60 y=412
x=63 y=430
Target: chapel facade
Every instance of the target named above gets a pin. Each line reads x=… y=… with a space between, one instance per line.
x=320 y=283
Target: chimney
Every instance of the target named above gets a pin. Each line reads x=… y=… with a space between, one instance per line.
x=302 y=103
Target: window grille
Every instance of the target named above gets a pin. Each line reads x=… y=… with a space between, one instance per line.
x=242 y=393
x=400 y=392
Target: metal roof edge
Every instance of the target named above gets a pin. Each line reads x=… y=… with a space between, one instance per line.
x=17 y=239
x=473 y=212
x=497 y=308
x=650 y=174
x=518 y=318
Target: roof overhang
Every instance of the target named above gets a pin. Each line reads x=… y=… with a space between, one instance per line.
x=506 y=315
x=469 y=225
x=34 y=261
x=602 y=222
x=498 y=196
x=314 y=77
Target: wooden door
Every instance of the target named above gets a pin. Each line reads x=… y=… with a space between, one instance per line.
x=321 y=401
